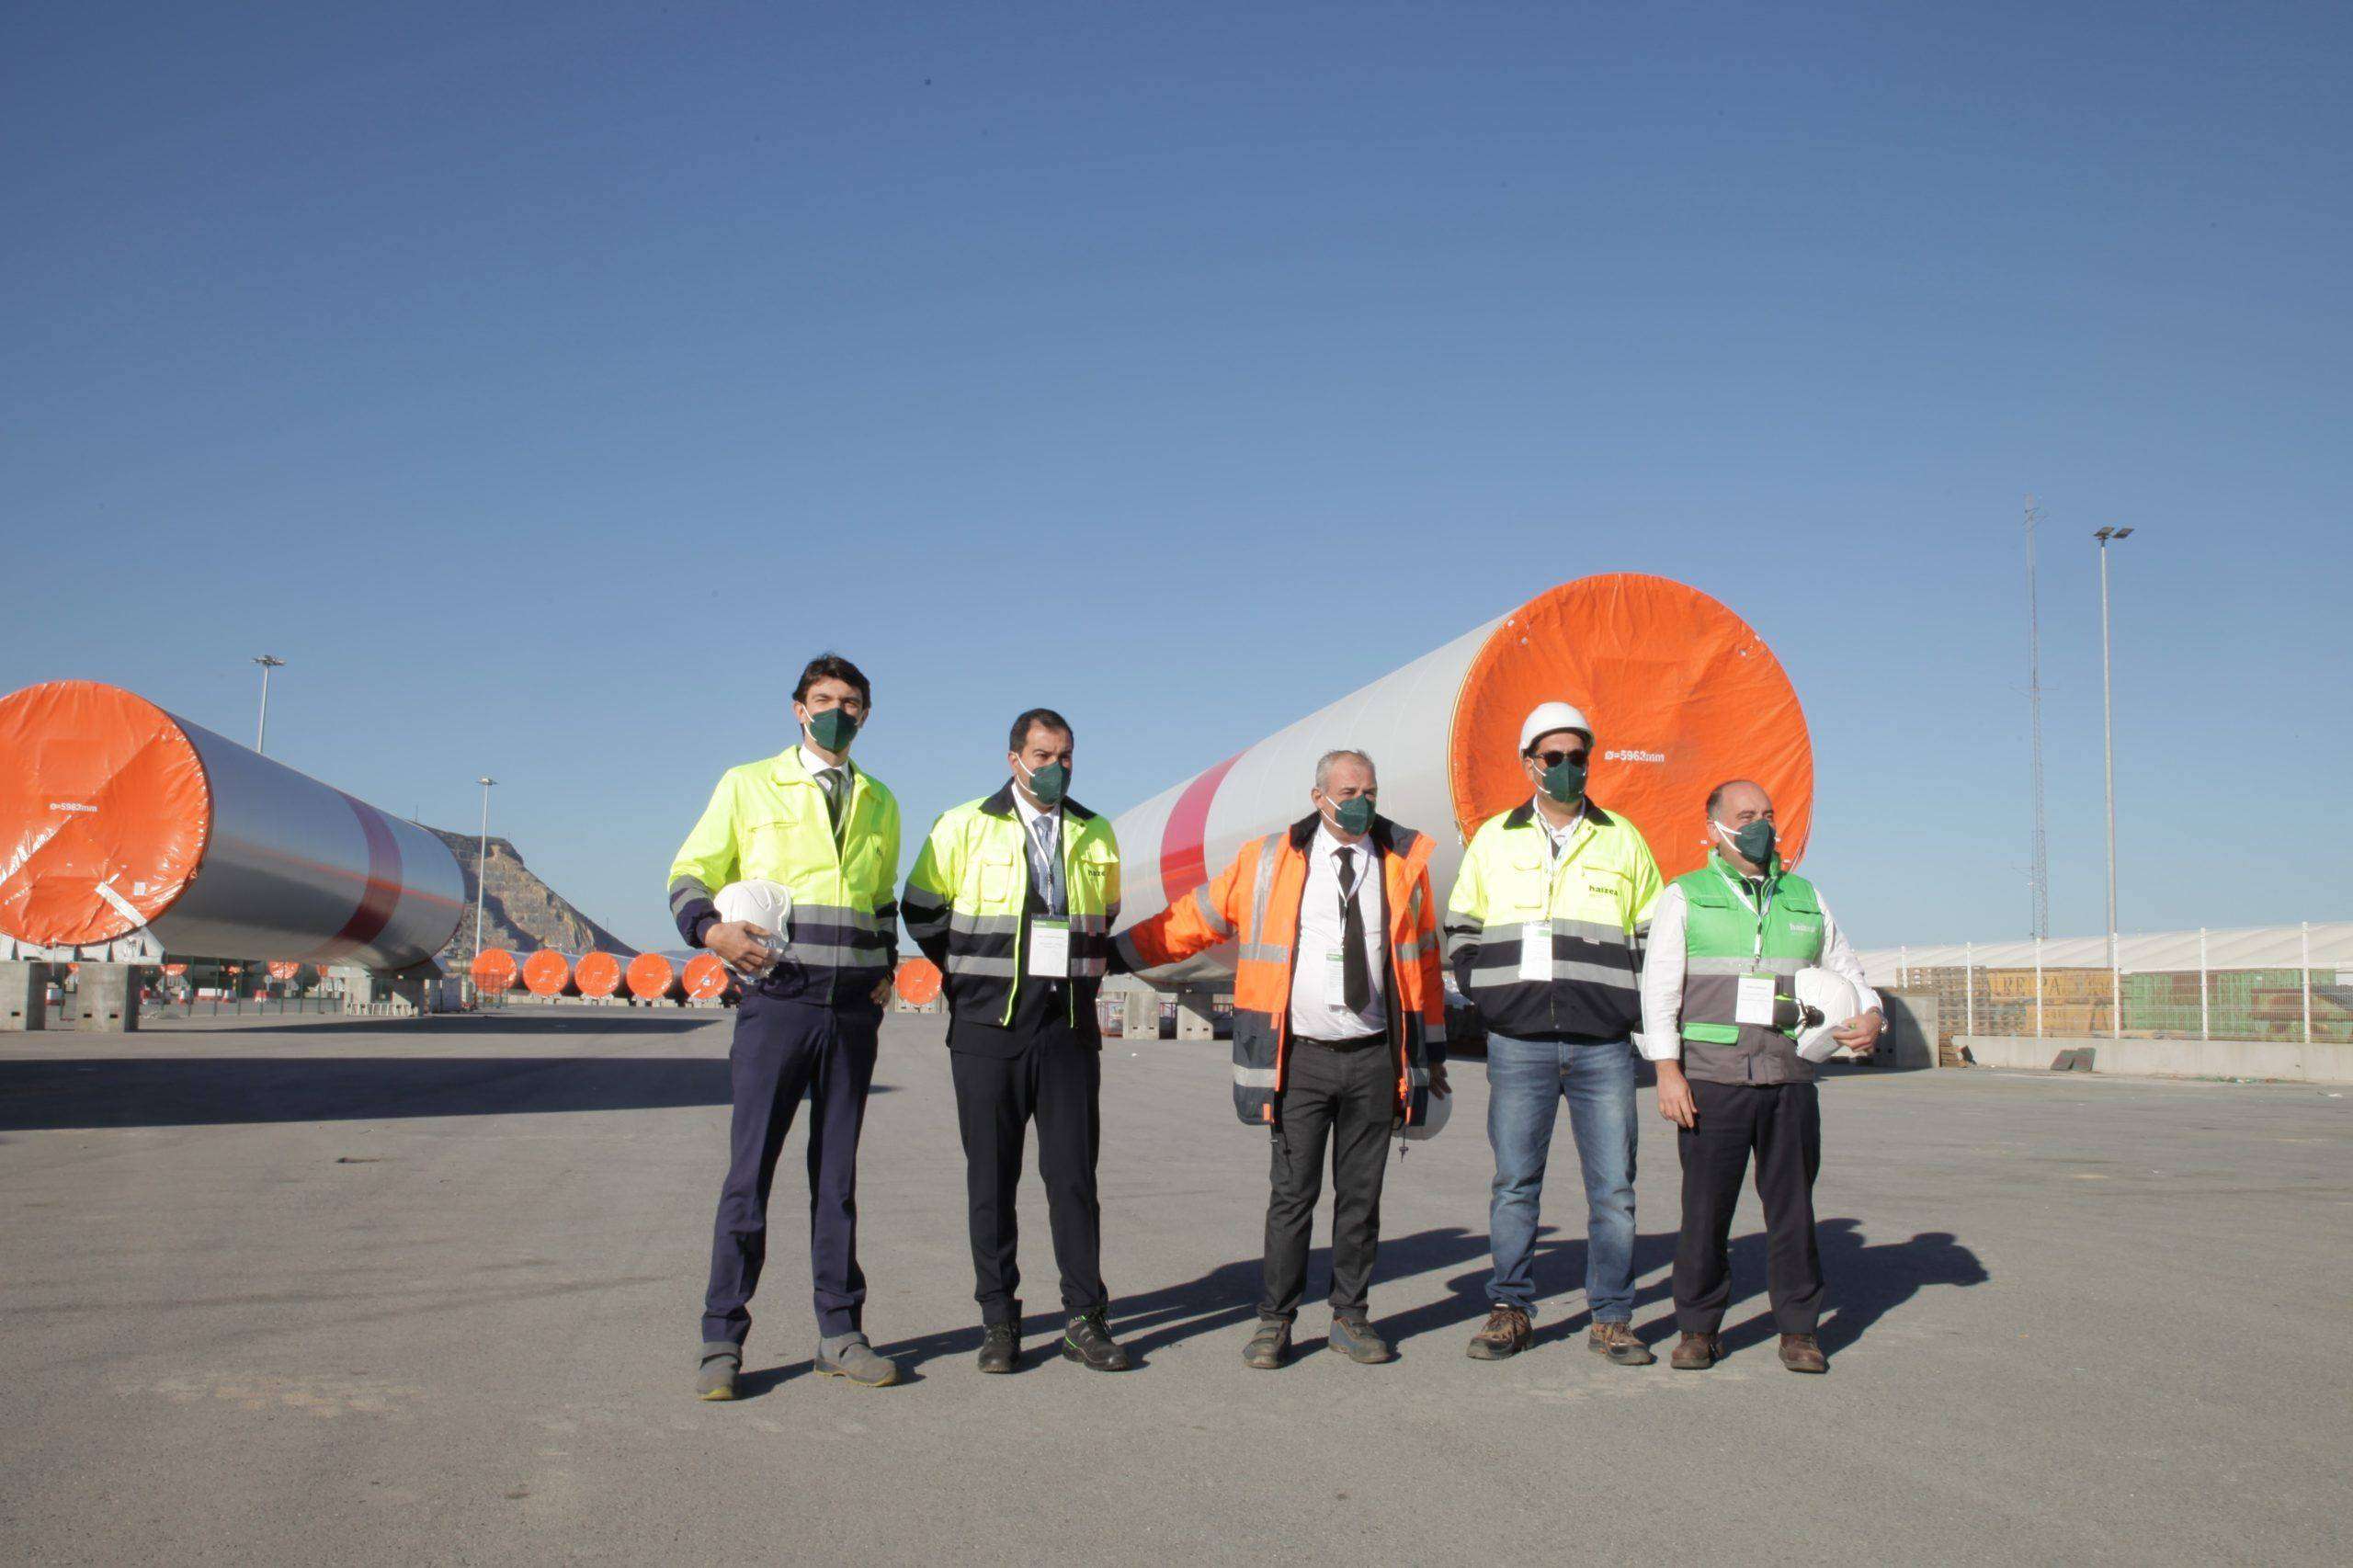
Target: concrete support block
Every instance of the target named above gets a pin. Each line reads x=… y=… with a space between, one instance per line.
x=109 y=999
x=1910 y=1039
x=24 y=996
x=1140 y=1014
x=1195 y=1019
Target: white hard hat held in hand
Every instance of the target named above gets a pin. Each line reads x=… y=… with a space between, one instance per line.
x=1547 y=716
x=760 y=903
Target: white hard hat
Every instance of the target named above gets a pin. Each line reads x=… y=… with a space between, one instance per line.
x=1831 y=995
x=1547 y=716
x=765 y=904
x=1434 y=1112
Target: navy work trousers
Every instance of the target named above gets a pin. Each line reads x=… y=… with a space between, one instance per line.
x=785 y=1051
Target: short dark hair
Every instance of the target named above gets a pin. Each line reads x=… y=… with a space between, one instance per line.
x=1031 y=718
x=1716 y=795
x=830 y=665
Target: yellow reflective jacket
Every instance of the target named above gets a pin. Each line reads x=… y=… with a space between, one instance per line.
x=768 y=821
x=1592 y=902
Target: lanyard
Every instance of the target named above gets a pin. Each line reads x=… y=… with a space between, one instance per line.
x=1756 y=956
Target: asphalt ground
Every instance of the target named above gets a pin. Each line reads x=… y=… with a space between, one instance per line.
x=427 y=1292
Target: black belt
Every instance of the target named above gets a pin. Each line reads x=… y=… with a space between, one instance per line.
x=1358 y=1043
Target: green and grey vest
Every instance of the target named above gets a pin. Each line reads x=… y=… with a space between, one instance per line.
x=1719 y=945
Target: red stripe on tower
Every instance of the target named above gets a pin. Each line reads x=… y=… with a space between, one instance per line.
x=1183 y=866
x=379 y=897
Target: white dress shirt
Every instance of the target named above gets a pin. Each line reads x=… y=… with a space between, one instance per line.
x=817 y=766
x=1317 y=1010
x=1030 y=817
x=1663 y=969
x=1563 y=835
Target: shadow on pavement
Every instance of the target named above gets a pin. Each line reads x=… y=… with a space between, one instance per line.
x=582 y=1021
x=81 y=1092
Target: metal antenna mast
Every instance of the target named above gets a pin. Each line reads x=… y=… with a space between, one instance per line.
x=2039 y=873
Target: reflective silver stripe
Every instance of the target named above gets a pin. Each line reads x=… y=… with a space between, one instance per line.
x=1126 y=944
x=1586 y=930
x=1264 y=952
x=1268 y=851
x=1410 y=952
x=1090 y=925
x=1418 y=1077
x=1208 y=912
x=984 y=925
x=1459 y=937
x=1786 y=969
x=1569 y=971
x=918 y=926
x=1087 y=969
x=1253 y=1077
x=965 y=963
x=685 y=891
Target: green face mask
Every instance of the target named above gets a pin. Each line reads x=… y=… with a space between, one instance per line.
x=1352 y=816
x=1048 y=783
x=1754 y=841
x=1564 y=781
x=832 y=729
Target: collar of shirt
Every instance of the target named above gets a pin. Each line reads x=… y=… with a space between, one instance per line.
x=814 y=765
x=1327 y=843
x=1559 y=835
x=1031 y=815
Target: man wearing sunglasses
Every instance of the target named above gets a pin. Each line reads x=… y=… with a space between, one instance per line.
x=1543 y=932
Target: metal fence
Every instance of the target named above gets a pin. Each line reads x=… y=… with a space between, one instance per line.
x=2310 y=1002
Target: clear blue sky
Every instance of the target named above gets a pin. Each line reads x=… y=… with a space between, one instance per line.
x=545 y=382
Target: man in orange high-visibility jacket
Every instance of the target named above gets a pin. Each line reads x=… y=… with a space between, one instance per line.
x=1339 y=1026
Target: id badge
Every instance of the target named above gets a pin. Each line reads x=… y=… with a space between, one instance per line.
x=1754 y=1003
x=1049 y=949
x=1335 y=978
x=1536 y=950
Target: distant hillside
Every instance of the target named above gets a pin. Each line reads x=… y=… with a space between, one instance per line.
x=522 y=913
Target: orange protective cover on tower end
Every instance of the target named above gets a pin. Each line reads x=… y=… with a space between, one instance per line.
x=706 y=977
x=495 y=970
x=648 y=976
x=1682 y=695
x=597 y=975
x=101 y=788
x=918 y=981
x=546 y=972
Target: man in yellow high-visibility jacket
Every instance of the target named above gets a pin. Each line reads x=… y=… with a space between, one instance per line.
x=828 y=832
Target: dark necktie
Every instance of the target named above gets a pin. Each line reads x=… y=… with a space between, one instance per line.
x=1045 y=869
x=830 y=780
x=1356 y=977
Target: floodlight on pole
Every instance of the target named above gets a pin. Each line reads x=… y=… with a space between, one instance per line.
x=268 y=662
x=2108 y=726
x=481 y=862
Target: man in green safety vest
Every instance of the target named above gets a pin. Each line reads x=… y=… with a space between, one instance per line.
x=1720 y=1020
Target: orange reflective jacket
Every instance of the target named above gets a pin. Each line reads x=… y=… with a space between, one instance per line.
x=1254 y=904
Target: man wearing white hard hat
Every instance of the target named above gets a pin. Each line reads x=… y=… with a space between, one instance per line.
x=1733 y=946
x=1544 y=933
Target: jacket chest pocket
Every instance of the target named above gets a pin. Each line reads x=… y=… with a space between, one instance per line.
x=1603 y=885
x=999 y=874
x=1095 y=878
x=1532 y=886
x=769 y=848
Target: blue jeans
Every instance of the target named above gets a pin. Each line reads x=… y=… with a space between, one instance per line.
x=1526 y=1082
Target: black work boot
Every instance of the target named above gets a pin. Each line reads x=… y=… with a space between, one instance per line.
x=1000 y=1348
x=1088 y=1341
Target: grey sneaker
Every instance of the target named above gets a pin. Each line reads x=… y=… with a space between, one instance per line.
x=1269 y=1346
x=721 y=1364
x=850 y=1357
x=1353 y=1337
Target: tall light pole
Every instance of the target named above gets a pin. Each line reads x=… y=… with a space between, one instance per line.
x=268 y=662
x=481 y=862
x=2038 y=845
x=2107 y=722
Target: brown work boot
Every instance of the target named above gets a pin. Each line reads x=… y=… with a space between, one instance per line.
x=1505 y=1335
x=1617 y=1341
x=1801 y=1354
x=1696 y=1352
